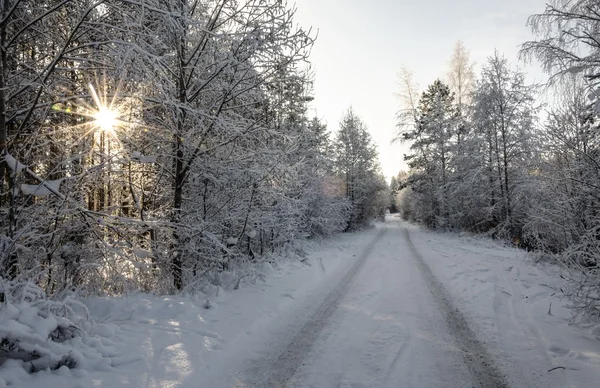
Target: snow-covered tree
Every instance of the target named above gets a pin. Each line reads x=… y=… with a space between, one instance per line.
x=567 y=45
x=504 y=119
x=430 y=136
x=461 y=76
x=150 y=144
x=356 y=163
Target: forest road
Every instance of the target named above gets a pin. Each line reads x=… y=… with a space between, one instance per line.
x=388 y=323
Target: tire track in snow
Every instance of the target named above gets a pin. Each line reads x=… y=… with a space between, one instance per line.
x=279 y=372
x=478 y=360
x=400 y=353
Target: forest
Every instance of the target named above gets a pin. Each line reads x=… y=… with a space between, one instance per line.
x=168 y=147
x=150 y=145
x=492 y=154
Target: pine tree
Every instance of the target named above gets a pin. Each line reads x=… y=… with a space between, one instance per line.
x=432 y=152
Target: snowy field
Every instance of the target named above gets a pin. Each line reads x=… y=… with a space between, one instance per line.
x=393 y=306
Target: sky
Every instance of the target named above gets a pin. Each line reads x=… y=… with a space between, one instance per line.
x=362 y=45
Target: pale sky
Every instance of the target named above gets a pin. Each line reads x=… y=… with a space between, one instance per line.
x=362 y=45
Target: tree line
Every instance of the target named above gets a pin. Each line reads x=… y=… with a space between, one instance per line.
x=150 y=145
x=487 y=156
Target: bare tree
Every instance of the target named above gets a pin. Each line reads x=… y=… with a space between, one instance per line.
x=408 y=96
x=461 y=76
x=567 y=38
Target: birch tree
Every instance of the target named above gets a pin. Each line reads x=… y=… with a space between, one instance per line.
x=567 y=46
x=504 y=116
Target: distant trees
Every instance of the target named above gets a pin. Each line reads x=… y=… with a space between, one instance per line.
x=470 y=158
x=394 y=188
x=356 y=163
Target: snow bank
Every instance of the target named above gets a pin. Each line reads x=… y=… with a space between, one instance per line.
x=141 y=340
x=38 y=334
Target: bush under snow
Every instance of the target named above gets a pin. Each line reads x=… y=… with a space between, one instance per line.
x=37 y=333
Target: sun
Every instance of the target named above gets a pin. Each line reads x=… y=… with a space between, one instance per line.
x=106 y=119
x=104 y=115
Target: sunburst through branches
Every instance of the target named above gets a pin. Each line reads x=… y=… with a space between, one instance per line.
x=106 y=115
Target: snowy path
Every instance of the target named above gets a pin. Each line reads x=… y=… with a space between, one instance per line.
x=388 y=323
x=393 y=306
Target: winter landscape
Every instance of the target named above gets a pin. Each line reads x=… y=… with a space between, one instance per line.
x=261 y=193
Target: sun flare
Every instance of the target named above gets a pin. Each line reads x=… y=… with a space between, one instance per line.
x=106 y=119
x=105 y=116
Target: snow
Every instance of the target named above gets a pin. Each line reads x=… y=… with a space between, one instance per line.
x=356 y=312
x=44 y=189
x=508 y=295
x=137 y=156
x=13 y=164
x=142 y=253
x=166 y=341
x=28 y=321
x=231 y=241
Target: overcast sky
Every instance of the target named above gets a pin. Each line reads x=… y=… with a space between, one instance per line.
x=362 y=45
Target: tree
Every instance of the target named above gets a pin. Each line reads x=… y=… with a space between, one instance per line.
x=461 y=80
x=394 y=187
x=48 y=52
x=356 y=164
x=567 y=39
x=225 y=67
x=567 y=46
x=504 y=117
x=461 y=77
x=430 y=137
x=204 y=160
x=408 y=95
x=563 y=214
x=327 y=208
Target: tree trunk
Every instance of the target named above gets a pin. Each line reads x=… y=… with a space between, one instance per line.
x=179 y=168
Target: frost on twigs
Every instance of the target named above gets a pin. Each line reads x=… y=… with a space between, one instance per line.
x=37 y=333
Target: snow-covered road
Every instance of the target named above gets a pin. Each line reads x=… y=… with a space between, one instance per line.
x=392 y=306
x=389 y=322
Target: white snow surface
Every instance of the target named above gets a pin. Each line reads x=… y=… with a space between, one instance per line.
x=507 y=297
x=357 y=312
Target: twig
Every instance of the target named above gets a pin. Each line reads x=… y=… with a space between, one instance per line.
x=555 y=368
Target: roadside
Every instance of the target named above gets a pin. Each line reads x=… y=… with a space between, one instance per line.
x=516 y=306
x=175 y=341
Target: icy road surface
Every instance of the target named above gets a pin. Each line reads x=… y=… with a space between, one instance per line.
x=389 y=322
